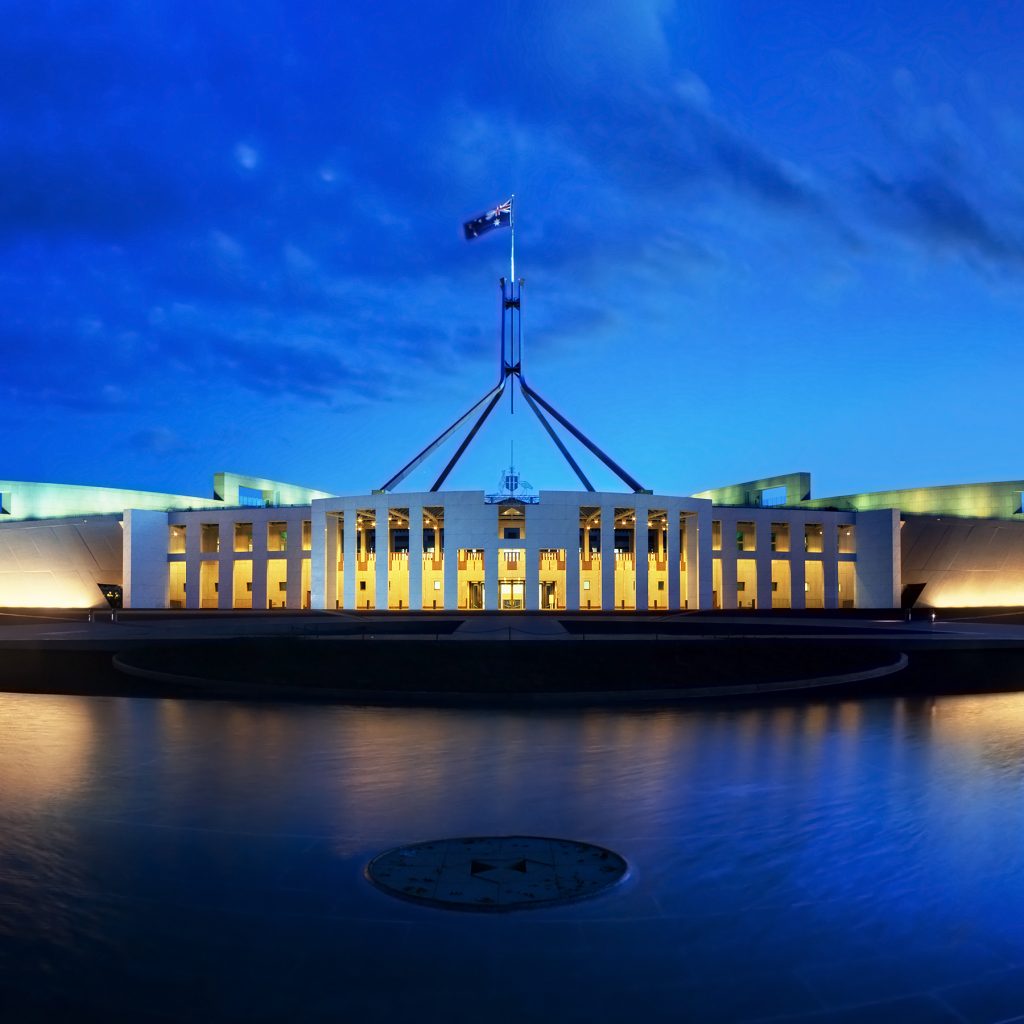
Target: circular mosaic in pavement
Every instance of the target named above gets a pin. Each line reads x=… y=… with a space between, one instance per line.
x=496 y=872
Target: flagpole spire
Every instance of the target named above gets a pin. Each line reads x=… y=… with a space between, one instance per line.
x=512 y=270
x=511 y=366
x=512 y=227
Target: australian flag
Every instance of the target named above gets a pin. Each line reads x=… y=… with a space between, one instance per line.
x=499 y=217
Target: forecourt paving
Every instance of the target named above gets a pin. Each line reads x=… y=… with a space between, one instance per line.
x=420 y=658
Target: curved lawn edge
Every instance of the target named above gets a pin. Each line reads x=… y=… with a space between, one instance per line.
x=454 y=697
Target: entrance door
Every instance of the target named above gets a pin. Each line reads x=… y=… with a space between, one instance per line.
x=476 y=596
x=547 y=596
x=511 y=594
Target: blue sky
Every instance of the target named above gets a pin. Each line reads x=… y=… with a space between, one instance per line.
x=757 y=238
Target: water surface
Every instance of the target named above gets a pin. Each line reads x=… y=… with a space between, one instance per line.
x=166 y=859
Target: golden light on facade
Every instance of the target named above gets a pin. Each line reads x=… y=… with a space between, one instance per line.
x=32 y=770
x=48 y=590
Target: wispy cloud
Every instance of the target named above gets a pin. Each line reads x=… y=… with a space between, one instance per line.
x=937 y=213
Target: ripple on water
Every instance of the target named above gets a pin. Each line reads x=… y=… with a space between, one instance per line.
x=785 y=859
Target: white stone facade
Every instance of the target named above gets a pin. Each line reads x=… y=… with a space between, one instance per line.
x=337 y=554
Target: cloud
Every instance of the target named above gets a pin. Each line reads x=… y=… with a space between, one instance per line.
x=111 y=194
x=60 y=370
x=933 y=210
x=159 y=441
x=288 y=199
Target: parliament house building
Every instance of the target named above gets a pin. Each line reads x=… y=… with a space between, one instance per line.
x=261 y=544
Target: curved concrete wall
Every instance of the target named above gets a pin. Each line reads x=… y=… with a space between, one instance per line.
x=963 y=563
x=59 y=563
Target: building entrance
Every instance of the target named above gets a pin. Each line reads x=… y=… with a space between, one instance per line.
x=476 y=596
x=510 y=595
x=548 y=596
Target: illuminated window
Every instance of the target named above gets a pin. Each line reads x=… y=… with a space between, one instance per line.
x=176 y=540
x=243 y=536
x=209 y=538
x=209 y=583
x=176 y=585
x=813 y=535
x=847 y=573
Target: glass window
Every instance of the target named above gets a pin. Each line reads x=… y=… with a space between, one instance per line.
x=176 y=540
x=277 y=537
x=745 y=537
x=847 y=539
x=243 y=536
x=716 y=535
x=780 y=537
x=813 y=534
x=307 y=535
x=209 y=538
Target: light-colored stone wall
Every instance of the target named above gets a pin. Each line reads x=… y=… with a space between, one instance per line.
x=294 y=565
x=963 y=563
x=60 y=563
x=145 y=558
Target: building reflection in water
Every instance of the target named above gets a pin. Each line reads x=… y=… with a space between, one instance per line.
x=833 y=806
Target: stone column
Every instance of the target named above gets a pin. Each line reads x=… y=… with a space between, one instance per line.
x=763 y=560
x=451 y=571
x=226 y=582
x=351 y=548
x=416 y=557
x=830 y=561
x=259 y=563
x=728 y=560
x=491 y=563
x=294 y=555
x=193 y=558
x=607 y=557
x=571 y=543
x=672 y=557
x=700 y=577
x=641 y=600
x=383 y=543
x=323 y=565
x=797 y=573
x=531 y=552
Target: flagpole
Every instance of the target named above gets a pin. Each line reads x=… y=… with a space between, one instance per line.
x=512 y=272
x=512 y=226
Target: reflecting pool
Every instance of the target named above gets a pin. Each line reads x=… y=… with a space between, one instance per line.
x=168 y=860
